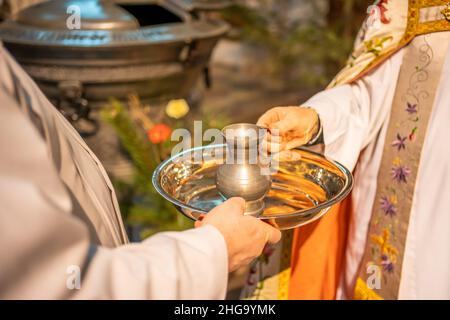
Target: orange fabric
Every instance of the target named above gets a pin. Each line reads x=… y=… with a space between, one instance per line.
x=318 y=251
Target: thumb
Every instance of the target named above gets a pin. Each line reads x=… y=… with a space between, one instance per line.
x=273 y=235
x=198 y=224
x=268 y=118
x=235 y=205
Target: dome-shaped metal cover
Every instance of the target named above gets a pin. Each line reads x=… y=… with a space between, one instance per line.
x=102 y=23
x=55 y=15
x=114 y=46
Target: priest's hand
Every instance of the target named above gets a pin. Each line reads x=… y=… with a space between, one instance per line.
x=289 y=127
x=245 y=236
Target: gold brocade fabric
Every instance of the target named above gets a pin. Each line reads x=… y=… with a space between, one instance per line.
x=390 y=26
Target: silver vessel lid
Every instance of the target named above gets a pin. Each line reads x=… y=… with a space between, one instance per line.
x=94 y=15
x=104 y=23
x=201 y=5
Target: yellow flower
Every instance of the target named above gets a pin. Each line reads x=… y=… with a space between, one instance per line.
x=397 y=161
x=383 y=242
x=393 y=199
x=177 y=108
x=376 y=45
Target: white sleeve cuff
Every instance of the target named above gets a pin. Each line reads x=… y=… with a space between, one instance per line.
x=206 y=249
x=343 y=127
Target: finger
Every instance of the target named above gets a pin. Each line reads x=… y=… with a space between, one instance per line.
x=273 y=137
x=198 y=224
x=287 y=155
x=273 y=235
x=273 y=147
x=235 y=205
x=297 y=142
x=269 y=117
x=283 y=126
x=237 y=202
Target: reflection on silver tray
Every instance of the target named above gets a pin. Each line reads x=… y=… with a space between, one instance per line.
x=304 y=187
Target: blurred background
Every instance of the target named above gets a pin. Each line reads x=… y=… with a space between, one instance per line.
x=126 y=73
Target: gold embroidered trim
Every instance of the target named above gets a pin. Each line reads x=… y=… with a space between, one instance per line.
x=412 y=21
x=283 y=284
x=412 y=29
x=432 y=3
x=433 y=26
x=363 y=292
x=285 y=265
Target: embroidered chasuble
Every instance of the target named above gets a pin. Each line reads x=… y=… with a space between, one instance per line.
x=307 y=263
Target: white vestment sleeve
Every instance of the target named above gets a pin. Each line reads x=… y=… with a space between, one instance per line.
x=42 y=243
x=173 y=265
x=353 y=114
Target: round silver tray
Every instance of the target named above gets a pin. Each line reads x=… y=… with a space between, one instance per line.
x=304 y=187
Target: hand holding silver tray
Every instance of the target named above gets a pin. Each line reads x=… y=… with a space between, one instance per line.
x=302 y=189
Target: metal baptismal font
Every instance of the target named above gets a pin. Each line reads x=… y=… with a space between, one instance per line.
x=156 y=49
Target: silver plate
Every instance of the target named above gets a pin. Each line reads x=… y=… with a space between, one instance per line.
x=304 y=187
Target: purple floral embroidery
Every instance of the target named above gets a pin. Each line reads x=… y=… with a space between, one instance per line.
x=387 y=264
x=400 y=173
x=268 y=250
x=411 y=108
x=399 y=143
x=387 y=206
x=250 y=279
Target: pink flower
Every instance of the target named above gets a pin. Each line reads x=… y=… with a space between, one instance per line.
x=383 y=10
x=412 y=136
